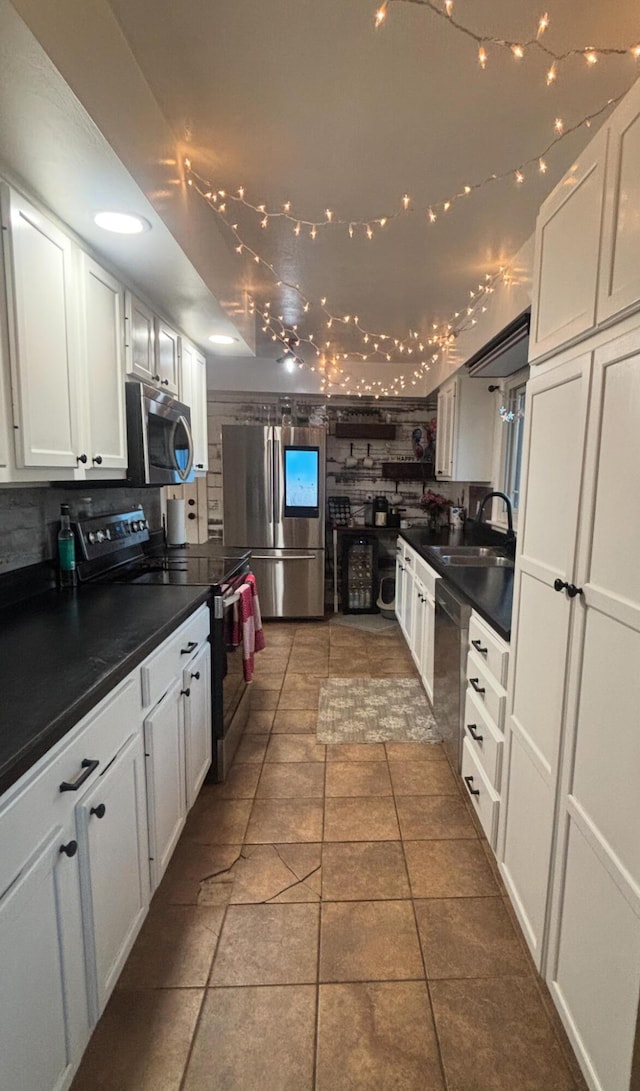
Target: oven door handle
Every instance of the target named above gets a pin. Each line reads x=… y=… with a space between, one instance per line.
x=292 y=557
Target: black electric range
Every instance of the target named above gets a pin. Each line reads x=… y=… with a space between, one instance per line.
x=119 y=548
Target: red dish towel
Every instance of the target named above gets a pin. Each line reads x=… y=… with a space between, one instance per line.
x=251 y=623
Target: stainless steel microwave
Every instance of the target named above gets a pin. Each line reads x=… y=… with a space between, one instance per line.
x=159 y=439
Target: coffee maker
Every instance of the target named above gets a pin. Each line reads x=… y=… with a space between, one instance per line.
x=380 y=511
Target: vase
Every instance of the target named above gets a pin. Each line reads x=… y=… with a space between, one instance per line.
x=434 y=520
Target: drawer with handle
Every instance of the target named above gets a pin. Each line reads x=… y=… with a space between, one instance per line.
x=485 y=800
x=485 y=739
x=162 y=667
x=490 y=647
x=492 y=696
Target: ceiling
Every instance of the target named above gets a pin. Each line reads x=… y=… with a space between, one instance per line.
x=304 y=101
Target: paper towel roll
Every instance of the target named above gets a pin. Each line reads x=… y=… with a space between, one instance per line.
x=176 y=525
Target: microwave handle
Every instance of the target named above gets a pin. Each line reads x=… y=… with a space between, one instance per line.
x=183 y=474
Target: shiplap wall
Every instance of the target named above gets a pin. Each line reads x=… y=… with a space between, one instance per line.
x=358 y=484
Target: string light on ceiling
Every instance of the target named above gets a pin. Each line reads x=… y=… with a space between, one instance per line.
x=368 y=227
x=590 y=53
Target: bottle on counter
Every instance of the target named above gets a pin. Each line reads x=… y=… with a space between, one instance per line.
x=67 y=575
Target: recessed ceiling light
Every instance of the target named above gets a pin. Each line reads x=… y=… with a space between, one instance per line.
x=222 y=339
x=122 y=223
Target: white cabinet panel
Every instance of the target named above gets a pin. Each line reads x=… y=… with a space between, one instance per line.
x=103 y=367
x=164 y=751
x=114 y=859
x=139 y=339
x=43 y=336
x=607 y=751
x=197 y=722
x=616 y=518
x=619 y=287
x=193 y=392
x=567 y=254
x=596 y=981
x=464 y=439
x=43 y=1008
x=525 y=857
x=539 y=679
x=555 y=424
x=167 y=370
x=484 y=798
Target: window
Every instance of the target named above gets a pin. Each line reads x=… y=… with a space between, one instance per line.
x=509 y=434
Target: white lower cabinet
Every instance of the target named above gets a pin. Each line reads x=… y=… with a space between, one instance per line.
x=112 y=837
x=196 y=685
x=44 y=1023
x=164 y=751
x=74 y=855
x=416 y=608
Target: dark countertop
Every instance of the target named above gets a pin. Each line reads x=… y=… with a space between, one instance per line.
x=61 y=653
x=487 y=590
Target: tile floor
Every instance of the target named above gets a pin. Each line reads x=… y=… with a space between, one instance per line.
x=331 y=919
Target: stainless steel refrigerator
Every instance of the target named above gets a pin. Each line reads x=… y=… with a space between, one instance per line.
x=274 y=500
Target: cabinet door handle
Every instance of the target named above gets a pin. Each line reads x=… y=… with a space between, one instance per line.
x=196 y=675
x=472 y=791
x=199 y=466
x=72 y=786
x=478 y=646
x=475 y=684
x=82 y=458
x=192 y=515
x=156 y=378
x=473 y=731
x=164 y=382
x=572 y=591
x=191 y=646
x=70 y=848
x=560 y=585
x=99 y=811
x=97 y=459
x=185 y=692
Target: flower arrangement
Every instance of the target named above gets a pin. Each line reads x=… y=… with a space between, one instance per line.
x=435 y=505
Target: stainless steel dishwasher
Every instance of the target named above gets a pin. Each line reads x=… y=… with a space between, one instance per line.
x=449 y=673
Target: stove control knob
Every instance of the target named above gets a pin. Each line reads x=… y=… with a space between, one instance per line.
x=99 y=536
x=143 y=524
x=92 y=538
x=107 y=534
x=136 y=526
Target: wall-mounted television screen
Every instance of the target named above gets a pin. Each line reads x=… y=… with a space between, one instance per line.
x=301 y=482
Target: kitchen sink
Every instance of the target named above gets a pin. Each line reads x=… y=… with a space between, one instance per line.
x=475 y=561
x=475 y=556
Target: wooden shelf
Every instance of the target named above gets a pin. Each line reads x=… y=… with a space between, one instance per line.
x=365 y=430
x=407 y=471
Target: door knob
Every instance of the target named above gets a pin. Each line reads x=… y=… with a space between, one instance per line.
x=70 y=848
x=560 y=585
x=97 y=459
x=99 y=811
x=572 y=591
x=81 y=458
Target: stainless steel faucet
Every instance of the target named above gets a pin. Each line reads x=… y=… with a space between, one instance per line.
x=503 y=496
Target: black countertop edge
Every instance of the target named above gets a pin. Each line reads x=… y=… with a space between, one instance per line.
x=39 y=745
x=489 y=591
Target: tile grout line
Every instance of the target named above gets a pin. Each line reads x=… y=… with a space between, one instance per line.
x=445 y=1082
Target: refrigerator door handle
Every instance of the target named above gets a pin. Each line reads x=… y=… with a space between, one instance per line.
x=270 y=479
x=276 y=481
x=291 y=557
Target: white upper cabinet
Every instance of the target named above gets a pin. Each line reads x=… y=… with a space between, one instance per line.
x=42 y=336
x=464 y=440
x=102 y=344
x=567 y=254
x=619 y=288
x=193 y=392
x=166 y=373
x=139 y=339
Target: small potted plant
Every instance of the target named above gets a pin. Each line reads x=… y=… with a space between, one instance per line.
x=435 y=505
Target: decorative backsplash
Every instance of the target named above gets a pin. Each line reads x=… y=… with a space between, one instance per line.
x=29 y=517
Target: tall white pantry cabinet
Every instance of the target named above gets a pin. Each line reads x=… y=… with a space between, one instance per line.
x=569 y=840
